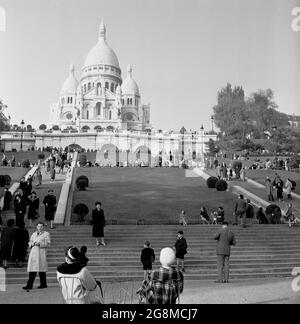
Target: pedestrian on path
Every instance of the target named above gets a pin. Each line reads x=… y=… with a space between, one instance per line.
x=20 y=210
x=7 y=199
x=225 y=239
x=240 y=210
x=50 y=207
x=37 y=261
x=269 y=189
x=183 y=218
x=243 y=174
x=52 y=173
x=250 y=212
x=98 y=222
x=39 y=176
x=147 y=258
x=288 y=187
x=33 y=209
x=278 y=184
x=181 y=250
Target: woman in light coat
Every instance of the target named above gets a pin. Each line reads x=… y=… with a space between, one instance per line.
x=77 y=284
x=37 y=261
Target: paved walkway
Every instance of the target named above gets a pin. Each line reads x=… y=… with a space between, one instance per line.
x=195 y=292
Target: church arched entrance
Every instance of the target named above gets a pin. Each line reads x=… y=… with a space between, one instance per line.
x=108 y=155
x=143 y=154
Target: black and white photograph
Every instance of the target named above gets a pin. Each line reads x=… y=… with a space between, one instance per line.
x=149 y=154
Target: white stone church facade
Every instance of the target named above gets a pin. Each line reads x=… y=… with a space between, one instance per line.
x=100 y=100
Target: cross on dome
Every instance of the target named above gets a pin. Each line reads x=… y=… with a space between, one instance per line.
x=102 y=34
x=129 y=70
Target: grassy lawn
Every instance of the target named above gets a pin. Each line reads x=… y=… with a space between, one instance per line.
x=156 y=195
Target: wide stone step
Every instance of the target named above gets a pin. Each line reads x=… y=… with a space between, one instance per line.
x=124 y=277
x=191 y=266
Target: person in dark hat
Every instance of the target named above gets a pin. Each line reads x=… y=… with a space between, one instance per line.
x=20 y=209
x=77 y=284
x=98 y=222
x=225 y=240
x=7 y=199
x=50 y=207
x=20 y=244
x=181 y=250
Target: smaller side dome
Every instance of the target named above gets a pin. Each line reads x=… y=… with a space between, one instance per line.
x=129 y=86
x=71 y=83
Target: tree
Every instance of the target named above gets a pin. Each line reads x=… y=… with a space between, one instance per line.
x=29 y=128
x=230 y=110
x=42 y=127
x=213 y=149
x=262 y=109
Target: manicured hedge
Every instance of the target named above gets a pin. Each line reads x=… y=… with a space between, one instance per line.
x=211 y=182
x=82 y=182
x=221 y=185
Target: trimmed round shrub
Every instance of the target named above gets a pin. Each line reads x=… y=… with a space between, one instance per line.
x=2 y=181
x=237 y=167
x=43 y=127
x=211 y=182
x=80 y=210
x=82 y=160
x=26 y=164
x=55 y=128
x=273 y=214
x=7 y=180
x=41 y=156
x=221 y=185
x=82 y=182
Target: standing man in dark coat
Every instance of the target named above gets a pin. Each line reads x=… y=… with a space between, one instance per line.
x=50 y=207
x=33 y=209
x=7 y=199
x=225 y=240
x=7 y=242
x=20 y=244
x=240 y=210
x=98 y=222
x=181 y=250
x=20 y=210
x=23 y=185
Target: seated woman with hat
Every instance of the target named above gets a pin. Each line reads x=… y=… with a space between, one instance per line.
x=77 y=284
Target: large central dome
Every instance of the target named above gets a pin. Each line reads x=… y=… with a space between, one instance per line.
x=101 y=53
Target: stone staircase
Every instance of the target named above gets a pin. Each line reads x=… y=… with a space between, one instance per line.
x=262 y=251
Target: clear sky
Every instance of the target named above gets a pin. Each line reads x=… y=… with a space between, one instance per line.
x=182 y=52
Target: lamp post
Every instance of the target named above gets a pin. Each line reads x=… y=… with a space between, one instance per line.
x=202 y=140
x=274 y=129
x=212 y=124
x=182 y=131
x=22 y=130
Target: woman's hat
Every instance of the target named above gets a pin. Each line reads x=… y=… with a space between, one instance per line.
x=73 y=254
